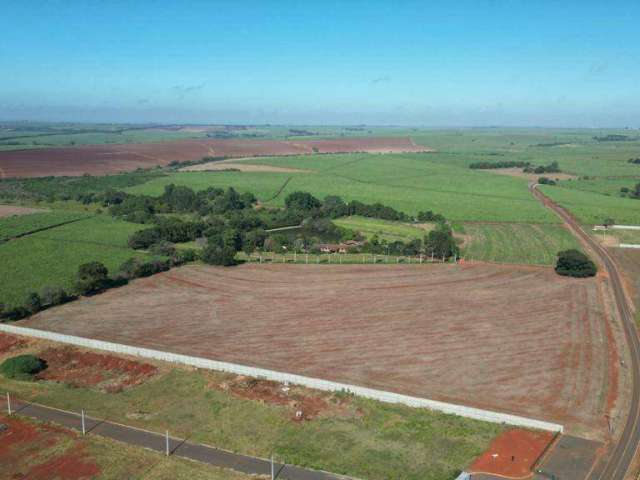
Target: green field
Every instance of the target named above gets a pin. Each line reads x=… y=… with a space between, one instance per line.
x=384 y=229
x=52 y=257
x=21 y=224
x=407 y=182
x=365 y=439
x=516 y=243
x=592 y=208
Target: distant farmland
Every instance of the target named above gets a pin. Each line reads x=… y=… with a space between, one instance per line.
x=105 y=159
x=487 y=336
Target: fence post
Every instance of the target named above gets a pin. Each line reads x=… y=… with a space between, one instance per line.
x=8 y=403
x=84 y=429
x=273 y=469
x=167 y=443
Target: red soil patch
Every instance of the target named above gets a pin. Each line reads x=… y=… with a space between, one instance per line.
x=9 y=342
x=26 y=451
x=105 y=159
x=303 y=407
x=513 y=454
x=88 y=369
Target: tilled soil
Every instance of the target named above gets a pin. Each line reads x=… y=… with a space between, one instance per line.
x=105 y=159
x=513 y=339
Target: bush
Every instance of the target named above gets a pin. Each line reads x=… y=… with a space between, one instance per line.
x=216 y=255
x=53 y=296
x=163 y=248
x=33 y=303
x=573 y=263
x=546 y=181
x=92 y=277
x=22 y=367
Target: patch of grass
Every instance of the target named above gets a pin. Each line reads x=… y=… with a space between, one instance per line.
x=52 y=257
x=384 y=229
x=377 y=442
x=21 y=224
x=517 y=243
x=623 y=236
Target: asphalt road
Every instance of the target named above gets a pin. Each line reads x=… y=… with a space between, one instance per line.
x=617 y=461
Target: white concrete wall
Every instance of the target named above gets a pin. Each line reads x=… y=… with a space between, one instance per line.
x=626 y=227
x=629 y=245
x=319 y=384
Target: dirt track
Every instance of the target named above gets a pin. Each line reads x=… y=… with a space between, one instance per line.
x=105 y=159
x=511 y=339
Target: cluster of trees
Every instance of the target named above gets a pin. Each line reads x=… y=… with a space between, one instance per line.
x=500 y=164
x=574 y=263
x=175 y=199
x=553 y=167
x=546 y=181
x=240 y=227
x=612 y=138
x=631 y=192
x=438 y=243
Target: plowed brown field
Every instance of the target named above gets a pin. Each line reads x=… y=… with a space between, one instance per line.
x=104 y=159
x=511 y=339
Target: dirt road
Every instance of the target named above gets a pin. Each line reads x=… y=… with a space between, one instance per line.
x=618 y=460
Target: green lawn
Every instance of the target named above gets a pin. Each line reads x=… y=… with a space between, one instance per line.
x=52 y=257
x=516 y=243
x=21 y=224
x=365 y=439
x=384 y=229
x=408 y=182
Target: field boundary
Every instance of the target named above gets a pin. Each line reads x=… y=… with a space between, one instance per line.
x=282 y=377
x=43 y=229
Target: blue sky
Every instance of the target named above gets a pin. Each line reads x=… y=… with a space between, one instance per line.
x=543 y=63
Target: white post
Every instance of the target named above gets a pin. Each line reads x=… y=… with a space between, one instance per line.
x=167 y=443
x=8 y=403
x=273 y=469
x=84 y=430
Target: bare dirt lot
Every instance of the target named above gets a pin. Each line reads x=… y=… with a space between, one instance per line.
x=241 y=166
x=42 y=452
x=104 y=159
x=513 y=453
x=11 y=210
x=512 y=339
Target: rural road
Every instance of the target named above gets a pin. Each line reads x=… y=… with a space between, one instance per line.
x=616 y=463
x=177 y=447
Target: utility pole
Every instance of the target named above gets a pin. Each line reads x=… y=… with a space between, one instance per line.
x=8 y=403
x=167 y=443
x=84 y=429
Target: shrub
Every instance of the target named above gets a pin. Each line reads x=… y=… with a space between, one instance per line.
x=163 y=248
x=22 y=367
x=546 y=181
x=33 y=303
x=92 y=277
x=216 y=255
x=573 y=263
x=53 y=296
